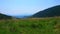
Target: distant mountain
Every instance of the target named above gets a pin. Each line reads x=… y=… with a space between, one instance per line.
x=3 y=16
x=50 y=12
x=23 y=16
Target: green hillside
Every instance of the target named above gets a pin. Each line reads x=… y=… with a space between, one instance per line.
x=48 y=25
x=3 y=16
x=50 y=12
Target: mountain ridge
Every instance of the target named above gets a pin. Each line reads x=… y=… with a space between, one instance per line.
x=3 y=16
x=50 y=12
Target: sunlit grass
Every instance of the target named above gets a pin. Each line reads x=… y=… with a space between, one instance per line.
x=30 y=26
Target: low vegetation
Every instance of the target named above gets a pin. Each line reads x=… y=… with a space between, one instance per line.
x=30 y=26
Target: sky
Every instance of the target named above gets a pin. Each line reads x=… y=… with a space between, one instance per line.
x=25 y=7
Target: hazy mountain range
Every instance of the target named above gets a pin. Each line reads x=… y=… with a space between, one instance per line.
x=50 y=12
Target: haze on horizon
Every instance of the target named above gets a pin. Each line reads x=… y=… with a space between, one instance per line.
x=25 y=7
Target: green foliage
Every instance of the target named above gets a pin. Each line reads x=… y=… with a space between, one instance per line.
x=30 y=26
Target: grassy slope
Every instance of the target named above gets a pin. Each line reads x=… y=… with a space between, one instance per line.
x=30 y=26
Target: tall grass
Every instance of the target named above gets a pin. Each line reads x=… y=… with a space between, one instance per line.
x=30 y=26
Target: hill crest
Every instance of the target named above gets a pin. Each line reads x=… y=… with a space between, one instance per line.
x=3 y=16
x=50 y=12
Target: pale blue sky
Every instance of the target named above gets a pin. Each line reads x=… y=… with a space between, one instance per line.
x=25 y=7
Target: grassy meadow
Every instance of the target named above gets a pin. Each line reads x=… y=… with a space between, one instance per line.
x=30 y=26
